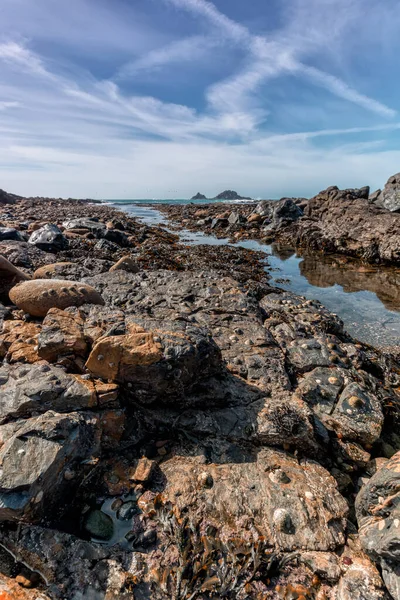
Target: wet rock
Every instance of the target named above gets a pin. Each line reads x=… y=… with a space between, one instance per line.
x=74 y=569
x=48 y=238
x=32 y=389
x=126 y=263
x=61 y=334
x=9 y=233
x=99 y=525
x=35 y=458
x=160 y=360
x=378 y=515
x=106 y=247
x=38 y=296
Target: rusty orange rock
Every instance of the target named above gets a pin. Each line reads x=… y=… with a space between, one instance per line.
x=19 y=339
x=112 y=354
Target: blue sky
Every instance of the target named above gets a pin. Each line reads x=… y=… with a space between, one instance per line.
x=164 y=98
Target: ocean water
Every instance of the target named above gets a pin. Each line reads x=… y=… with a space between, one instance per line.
x=368 y=300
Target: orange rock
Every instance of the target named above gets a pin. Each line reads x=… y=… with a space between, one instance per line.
x=36 y=297
x=46 y=271
x=11 y=590
x=254 y=218
x=126 y=263
x=19 y=339
x=113 y=353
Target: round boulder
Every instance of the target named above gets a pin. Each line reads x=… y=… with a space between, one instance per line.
x=36 y=297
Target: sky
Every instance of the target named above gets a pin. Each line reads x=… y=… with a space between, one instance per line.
x=166 y=98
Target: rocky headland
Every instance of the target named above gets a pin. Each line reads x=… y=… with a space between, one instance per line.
x=174 y=427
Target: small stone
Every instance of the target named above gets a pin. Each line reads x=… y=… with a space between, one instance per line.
x=99 y=525
x=23 y=581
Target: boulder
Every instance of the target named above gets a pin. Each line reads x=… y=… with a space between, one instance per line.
x=390 y=196
x=48 y=238
x=92 y=225
x=378 y=515
x=9 y=233
x=117 y=237
x=126 y=263
x=22 y=254
x=36 y=458
x=38 y=296
x=160 y=360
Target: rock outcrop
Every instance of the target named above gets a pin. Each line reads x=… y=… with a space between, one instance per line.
x=199 y=196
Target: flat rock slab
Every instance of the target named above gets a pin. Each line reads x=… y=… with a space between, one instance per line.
x=31 y=389
x=295 y=505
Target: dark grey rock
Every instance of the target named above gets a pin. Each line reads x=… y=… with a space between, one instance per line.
x=48 y=238
x=99 y=525
x=9 y=233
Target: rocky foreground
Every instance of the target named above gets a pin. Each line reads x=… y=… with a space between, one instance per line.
x=173 y=427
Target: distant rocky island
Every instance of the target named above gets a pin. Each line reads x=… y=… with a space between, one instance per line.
x=226 y=195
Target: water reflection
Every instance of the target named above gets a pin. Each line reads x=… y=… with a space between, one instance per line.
x=325 y=272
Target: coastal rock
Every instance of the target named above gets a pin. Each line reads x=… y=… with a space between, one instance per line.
x=35 y=459
x=199 y=196
x=33 y=389
x=126 y=263
x=74 y=569
x=117 y=237
x=9 y=233
x=92 y=225
x=230 y=195
x=390 y=196
x=338 y=221
x=22 y=254
x=378 y=515
x=48 y=238
x=294 y=504
x=160 y=360
x=38 y=296
x=61 y=334
x=19 y=341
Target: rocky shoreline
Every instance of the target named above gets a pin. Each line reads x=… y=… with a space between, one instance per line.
x=347 y=222
x=175 y=427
